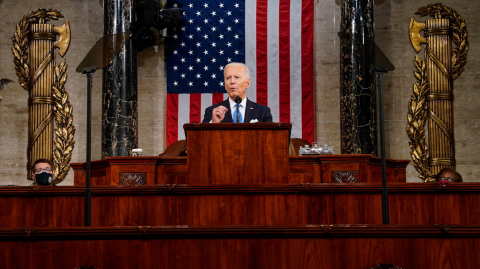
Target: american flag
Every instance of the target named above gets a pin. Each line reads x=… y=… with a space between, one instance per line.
x=273 y=37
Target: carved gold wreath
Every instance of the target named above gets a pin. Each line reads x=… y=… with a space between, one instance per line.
x=417 y=107
x=65 y=131
x=417 y=116
x=63 y=109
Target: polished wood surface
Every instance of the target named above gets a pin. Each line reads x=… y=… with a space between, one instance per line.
x=301 y=169
x=260 y=204
x=353 y=246
x=237 y=153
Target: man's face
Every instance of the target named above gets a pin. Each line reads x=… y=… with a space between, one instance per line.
x=39 y=167
x=447 y=176
x=236 y=82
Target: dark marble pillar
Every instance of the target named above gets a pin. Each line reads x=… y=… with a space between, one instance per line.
x=357 y=80
x=119 y=119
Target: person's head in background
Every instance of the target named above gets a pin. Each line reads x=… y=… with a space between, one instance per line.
x=43 y=172
x=448 y=175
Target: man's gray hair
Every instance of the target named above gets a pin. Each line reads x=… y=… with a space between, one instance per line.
x=247 y=70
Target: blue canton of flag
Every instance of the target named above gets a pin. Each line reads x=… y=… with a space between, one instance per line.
x=212 y=37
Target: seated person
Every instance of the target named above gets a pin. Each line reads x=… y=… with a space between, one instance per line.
x=237 y=80
x=448 y=175
x=43 y=172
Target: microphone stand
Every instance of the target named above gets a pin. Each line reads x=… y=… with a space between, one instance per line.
x=382 y=65
x=100 y=56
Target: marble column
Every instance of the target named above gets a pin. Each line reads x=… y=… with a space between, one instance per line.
x=119 y=119
x=357 y=80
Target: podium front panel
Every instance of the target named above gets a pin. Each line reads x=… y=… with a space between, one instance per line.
x=237 y=153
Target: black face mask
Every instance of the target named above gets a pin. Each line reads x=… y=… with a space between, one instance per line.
x=44 y=178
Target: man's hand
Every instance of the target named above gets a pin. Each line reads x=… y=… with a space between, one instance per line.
x=218 y=114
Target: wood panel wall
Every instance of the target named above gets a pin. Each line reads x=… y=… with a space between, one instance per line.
x=353 y=246
x=276 y=204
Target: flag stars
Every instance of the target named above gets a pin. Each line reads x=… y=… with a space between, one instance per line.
x=220 y=21
x=221 y=52
x=175 y=68
x=205 y=36
x=190 y=68
x=236 y=5
x=183 y=29
x=205 y=21
x=221 y=5
x=190 y=52
x=190 y=5
x=214 y=44
x=214 y=13
x=182 y=44
x=205 y=52
x=198 y=13
x=198 y=76
x=236 y=20
x=198 y=44
x=205 y=84
x=229 y=28
x=175 y=5
x=182 y=75
x=229 y=60
x=236 y=36
x=221 y=36
x=175 y=36
x=190 y=84
x=175 y=52
x=198 y=60
x=175 y=83
x=229 y=13
x=205 y=5
x=198 y=29
x=220 y=68
x=190 y=21
x=214 y=76
x=229 y=44
x=190 y=36
x=214 y=29
x=213 y=60
x=221 y=83
x=236 y=52
x=182 y=60
x=205 y=68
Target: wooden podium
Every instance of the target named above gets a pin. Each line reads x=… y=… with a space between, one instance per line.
x=237 y=153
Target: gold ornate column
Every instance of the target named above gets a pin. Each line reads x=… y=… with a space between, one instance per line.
x=34 y=57
x=40 y=101
x=432 y=99
x=438 y=53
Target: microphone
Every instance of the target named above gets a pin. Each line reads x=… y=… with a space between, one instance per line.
x=238 y=100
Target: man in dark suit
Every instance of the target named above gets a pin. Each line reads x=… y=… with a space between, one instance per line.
x=237 y=81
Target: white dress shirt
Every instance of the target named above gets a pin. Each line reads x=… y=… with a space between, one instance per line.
x=233 y=107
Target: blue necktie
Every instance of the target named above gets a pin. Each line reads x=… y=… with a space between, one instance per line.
x=235 y=115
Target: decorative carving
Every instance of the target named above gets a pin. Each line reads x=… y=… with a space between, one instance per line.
x=459 y=34
x=432 y=101
x=344 y=176
x=45 y=83
x=417 y=116
x=132 y=178
x=65 y=131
